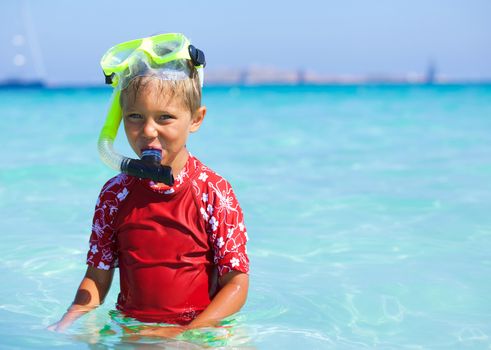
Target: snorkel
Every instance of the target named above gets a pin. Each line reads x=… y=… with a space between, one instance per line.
x=164 y=56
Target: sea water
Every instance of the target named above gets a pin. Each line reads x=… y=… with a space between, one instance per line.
x=368 y=210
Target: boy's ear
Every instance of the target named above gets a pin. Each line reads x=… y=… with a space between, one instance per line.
x=198 y=118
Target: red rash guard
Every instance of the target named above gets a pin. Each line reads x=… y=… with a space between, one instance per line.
x=169 y=243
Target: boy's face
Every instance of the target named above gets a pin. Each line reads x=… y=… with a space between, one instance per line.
x=152 y=119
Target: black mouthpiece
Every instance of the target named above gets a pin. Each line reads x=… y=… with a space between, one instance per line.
x=149 y=167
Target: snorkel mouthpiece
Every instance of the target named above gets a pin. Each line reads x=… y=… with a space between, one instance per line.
x=149 y=167
x=152 y=155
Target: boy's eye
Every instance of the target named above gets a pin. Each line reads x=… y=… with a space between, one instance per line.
x=134 y=116
x=165 y=117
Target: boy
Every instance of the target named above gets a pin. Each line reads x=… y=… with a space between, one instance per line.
x=180 y=247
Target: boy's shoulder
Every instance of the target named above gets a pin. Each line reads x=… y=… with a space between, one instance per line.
x=208 y=183
x=117 y=187
x=207 y=176
x=117 y=182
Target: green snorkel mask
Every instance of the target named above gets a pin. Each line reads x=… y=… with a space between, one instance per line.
x=165 y=56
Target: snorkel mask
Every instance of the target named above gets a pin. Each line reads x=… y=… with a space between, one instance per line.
x=165 y=56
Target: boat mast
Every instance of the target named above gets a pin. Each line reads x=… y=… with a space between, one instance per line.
x=32 y=40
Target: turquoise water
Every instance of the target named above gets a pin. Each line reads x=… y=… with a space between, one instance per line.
x=368 y=211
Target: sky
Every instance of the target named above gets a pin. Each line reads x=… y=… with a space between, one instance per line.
x=62 y=41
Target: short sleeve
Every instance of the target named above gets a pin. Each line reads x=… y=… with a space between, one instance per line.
x=225 y=225
x=102 y=252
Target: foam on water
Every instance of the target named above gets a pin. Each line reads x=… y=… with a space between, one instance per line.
x=367 y=210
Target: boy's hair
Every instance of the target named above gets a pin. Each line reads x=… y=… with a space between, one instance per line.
x=189 y=90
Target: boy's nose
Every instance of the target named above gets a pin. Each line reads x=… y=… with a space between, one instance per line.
x=149 y=130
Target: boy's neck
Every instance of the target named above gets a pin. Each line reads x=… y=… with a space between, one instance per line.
x=180 y=162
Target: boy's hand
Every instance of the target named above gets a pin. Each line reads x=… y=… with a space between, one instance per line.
x=73 y=313
x=65 y=322
x=59 y=326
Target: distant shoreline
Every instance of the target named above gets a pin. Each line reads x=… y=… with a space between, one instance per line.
x=272 y=76
x=40 y=85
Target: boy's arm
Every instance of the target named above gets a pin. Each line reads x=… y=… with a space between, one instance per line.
x=229 y=300
x=90 y=294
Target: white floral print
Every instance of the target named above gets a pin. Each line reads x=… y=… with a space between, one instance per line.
x=122 y=195
x=203 y=176
x=220 y=242
x=103 y=266
x=214 y=223
x=235 y=262
x=204 y=214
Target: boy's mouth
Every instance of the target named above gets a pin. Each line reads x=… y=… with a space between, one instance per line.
x=151 y=153
x=150 y=149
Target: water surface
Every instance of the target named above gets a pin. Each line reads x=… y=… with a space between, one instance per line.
x=367 y=207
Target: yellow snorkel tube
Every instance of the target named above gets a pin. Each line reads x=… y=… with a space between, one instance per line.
x=164 y=53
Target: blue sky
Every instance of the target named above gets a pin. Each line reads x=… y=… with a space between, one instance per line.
x=63 y=41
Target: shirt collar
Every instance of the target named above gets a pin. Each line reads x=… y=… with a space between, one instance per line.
x=179 y=180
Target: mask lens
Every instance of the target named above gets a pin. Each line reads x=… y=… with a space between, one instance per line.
x=120 y=53
x=120 y=56
x=164 y=48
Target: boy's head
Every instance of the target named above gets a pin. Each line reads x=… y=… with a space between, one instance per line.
x=160 y=114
